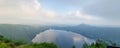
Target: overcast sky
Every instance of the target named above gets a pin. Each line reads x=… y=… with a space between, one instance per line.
x=71 y=12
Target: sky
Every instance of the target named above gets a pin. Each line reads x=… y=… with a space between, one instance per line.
x=69 y=12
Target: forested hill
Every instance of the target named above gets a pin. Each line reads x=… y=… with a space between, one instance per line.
x=19 y=32
x=28 y=32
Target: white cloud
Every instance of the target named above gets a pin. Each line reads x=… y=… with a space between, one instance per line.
x=83 y=16
x=80 y=17
x=31 y=12
x=25 y=11
x=107 y=9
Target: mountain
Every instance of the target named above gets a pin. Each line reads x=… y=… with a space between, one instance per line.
x=95 y=32
x=28 y=32
x=19 y=32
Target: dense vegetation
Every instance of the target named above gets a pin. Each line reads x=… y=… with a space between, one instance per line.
x=7 y=43
x=41 y=45
x=18 y=32
x=28 y=32
x=99 y=44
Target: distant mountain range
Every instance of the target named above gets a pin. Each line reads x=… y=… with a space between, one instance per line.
x=95 y=32
x=28 y=32
x=20 y=32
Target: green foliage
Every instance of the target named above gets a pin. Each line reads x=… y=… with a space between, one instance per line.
x=73 y=46
x=85 y=45
x=7 y=43
x=3 y=45
x=6 y=40
x=17 y=43
x=98 y=44
x=41 y=45
x=112 y=43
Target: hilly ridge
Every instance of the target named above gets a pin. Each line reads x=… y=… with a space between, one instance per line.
x=18 y=32
x=28 y=32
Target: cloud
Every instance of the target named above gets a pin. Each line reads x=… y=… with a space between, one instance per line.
x=24 y=11
x=28 y=12
x=63 y=39
x=80 y=17
x=32 y=12
x=107 y=9
x=17 y=7
x=86 y=16
x=95 y=12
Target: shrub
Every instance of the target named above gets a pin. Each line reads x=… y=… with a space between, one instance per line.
x=3 y=45
x=41 y=45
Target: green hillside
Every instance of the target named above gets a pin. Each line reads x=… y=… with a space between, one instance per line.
x=7 y=43
x=18 y=32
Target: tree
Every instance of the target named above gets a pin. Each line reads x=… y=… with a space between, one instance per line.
x=73 y=46
x=85 y=45
x=112 y=43
x=97 y=44
x=17 y=43
x=41 y=45
x=3 y=45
